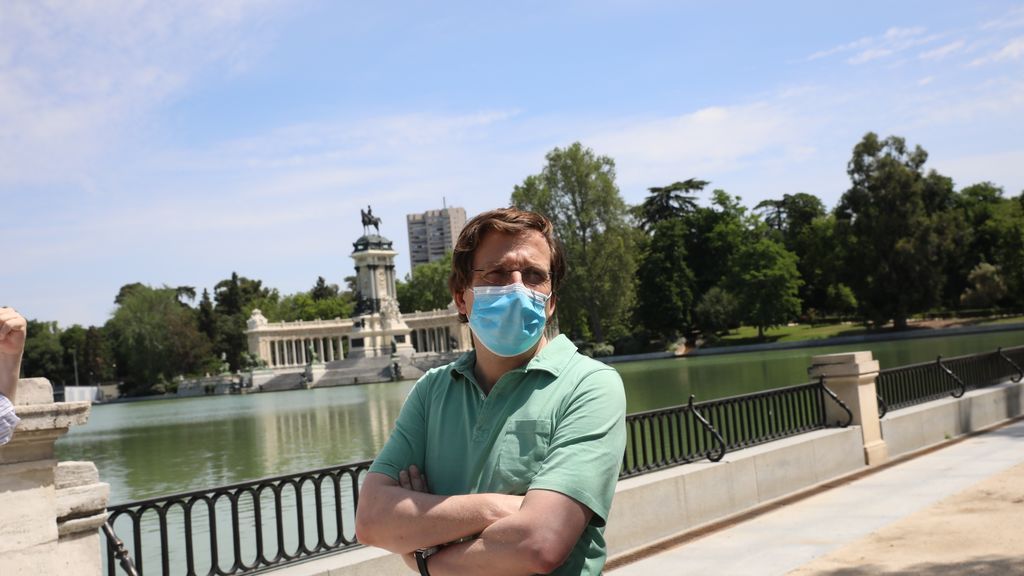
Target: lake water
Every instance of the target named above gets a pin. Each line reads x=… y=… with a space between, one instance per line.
x=151 y=448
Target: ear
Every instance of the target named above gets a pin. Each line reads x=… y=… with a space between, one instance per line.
x=551 y=307
x=460 y=302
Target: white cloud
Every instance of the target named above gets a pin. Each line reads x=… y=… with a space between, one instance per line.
x=942 y=51
x=1011 y=19
x=869 y=48
x=74 y=77
x=1012 y=50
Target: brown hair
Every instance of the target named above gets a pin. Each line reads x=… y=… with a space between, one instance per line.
x=506 y=221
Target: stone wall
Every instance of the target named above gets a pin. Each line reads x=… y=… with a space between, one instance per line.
x=50 y=512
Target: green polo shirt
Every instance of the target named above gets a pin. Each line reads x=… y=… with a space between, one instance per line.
x=556 y=424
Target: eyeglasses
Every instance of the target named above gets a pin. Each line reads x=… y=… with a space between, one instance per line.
x=532 y=277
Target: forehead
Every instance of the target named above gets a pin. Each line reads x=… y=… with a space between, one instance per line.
x=528 y=247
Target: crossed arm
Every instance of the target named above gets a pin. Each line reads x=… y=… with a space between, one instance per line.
x=531 y=534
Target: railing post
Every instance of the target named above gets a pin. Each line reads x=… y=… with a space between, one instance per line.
x=851 y=376
x=49 y=512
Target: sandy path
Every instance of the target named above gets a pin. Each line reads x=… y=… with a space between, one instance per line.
x=979 y=531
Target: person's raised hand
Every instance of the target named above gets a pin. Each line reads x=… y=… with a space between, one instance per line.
x=13 y=330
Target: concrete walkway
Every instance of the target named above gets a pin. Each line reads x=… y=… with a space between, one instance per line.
x=956 y=510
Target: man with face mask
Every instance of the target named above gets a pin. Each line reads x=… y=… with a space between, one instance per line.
x=521 y=439
x=12 y=345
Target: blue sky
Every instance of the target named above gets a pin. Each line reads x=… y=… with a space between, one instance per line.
x=175 y=142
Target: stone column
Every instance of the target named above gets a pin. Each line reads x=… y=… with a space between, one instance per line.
x=341 y=347
x=51 y=513
x=852 y=377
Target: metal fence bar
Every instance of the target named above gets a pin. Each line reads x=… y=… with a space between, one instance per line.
x=914 y=384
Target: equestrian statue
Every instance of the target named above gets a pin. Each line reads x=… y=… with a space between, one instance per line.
x=369 y=220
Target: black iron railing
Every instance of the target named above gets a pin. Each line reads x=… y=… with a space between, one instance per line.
x=671 y=436
x=905 y=386
x=238 y=529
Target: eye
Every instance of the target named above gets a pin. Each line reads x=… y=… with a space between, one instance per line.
x=534 y=276
x=495 y=276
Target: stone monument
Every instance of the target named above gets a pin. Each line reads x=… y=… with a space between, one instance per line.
x=377 y=321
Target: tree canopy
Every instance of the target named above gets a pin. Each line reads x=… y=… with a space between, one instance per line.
x=576 y=190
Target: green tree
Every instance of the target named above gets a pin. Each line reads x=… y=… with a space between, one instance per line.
x=322 y=290
x=986 y=287
x=426 y=287
x=234 y=299
x=157 y=338
x=577 y=191
x=1006 y=228
x=99 y=364
x=716 y=312
x=665 y=282
x=206 y=317
x=714 y=236
x=72 y=340
x=766 y=281
x=889 y=218
x=43 y=356
x=797 y=220
x=669 y=202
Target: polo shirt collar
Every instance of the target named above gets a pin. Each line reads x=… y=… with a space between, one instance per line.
x=553 y=358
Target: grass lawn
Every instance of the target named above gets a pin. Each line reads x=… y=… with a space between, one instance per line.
x=798 y=332
x=748 y=334
x=1010 y=320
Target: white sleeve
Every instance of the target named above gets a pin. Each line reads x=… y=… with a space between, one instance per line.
x=8 y=420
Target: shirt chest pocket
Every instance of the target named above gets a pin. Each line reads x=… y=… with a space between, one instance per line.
x=524 y=445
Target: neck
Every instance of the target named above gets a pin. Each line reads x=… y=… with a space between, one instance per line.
x=490 y=367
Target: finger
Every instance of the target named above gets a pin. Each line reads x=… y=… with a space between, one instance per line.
x=403 y=480
x=416 y=478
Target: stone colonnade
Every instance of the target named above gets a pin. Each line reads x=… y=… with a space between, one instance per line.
x=433 y=339
x=294 y=350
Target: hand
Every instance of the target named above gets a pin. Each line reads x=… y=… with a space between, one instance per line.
x=13 y=329
x=412 y=479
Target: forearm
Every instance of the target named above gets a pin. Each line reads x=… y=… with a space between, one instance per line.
x=509 y=547
x=10 y=368
x=402 y=520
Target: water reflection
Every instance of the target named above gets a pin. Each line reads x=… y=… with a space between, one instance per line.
x=145 y=449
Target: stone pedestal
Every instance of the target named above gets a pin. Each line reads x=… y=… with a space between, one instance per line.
x=852 y=376
x=49 y=512
x=314 y=372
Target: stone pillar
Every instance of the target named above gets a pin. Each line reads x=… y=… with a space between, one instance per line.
x=852 y=377
x=51 y=513
x=341 y=347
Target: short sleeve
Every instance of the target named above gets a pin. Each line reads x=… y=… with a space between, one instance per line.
x=407 y=443
x=8 y=420
x=585 y=452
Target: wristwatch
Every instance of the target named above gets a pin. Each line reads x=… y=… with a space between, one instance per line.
x=422 y=554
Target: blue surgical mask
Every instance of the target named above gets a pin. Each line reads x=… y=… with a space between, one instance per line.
x=508 y=320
